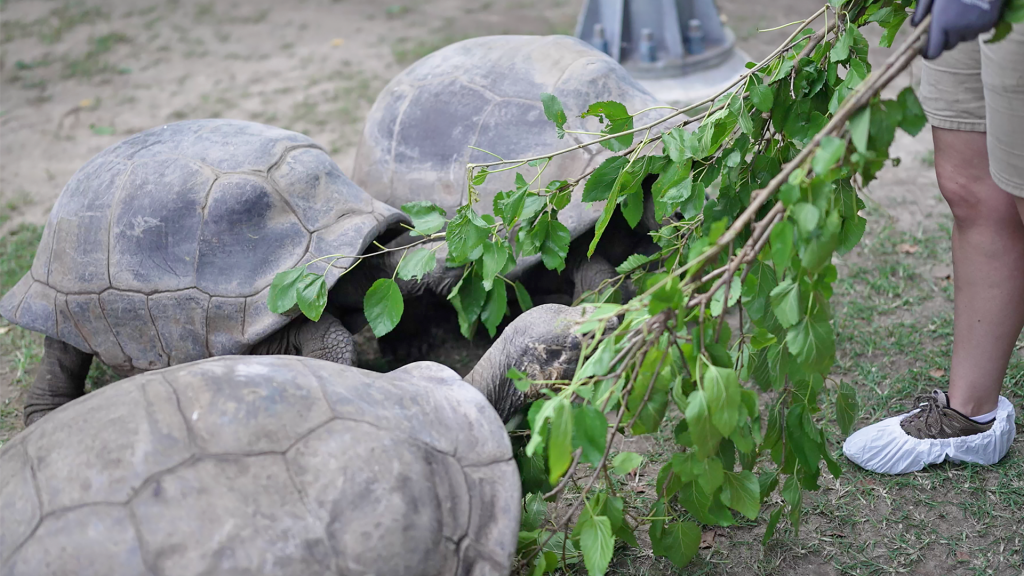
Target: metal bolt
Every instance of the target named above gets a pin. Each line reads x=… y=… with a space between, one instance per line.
x=647 y=48
x=598 y=40
x=695 y=37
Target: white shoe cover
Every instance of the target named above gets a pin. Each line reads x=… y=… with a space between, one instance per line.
x=885 y=448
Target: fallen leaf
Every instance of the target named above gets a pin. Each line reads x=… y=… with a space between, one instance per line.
x=707 y=539
x=4 y=330
x=962 y=555
x=907 y=248
x=87 y=103
x=942 y=272
x=337 y=42
x=936 y=372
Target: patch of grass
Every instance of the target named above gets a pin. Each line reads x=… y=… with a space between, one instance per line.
x=928 y=158
x=406 y=52
x=91 y=64
x=52 y=27
x=17 y=249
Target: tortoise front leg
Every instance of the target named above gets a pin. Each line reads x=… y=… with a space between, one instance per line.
x=325 y=339
x=60 y=379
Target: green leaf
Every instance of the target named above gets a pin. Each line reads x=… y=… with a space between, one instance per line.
x=829 y=152
x=676 y=174
x=633 y=262
x=599 y=184
x=722 y=392
x=495 y=307
x=847 y=409
x=626 y=462
x=494 y=257
x=555 y=246
x=509 y=205
x=464 y=235
x=762 y=97
x=598 y=544
x=757 y=287
x=860 y=125
x=416 y=263
x=742 y=493
x=851 y=233
x=554 y=112
x=773 y=522
x=782 y=245
x=468 y=298
x=914 y=118
x=560 y=440
x=284 y=290
x=102 y=130
x=705 y=435
x=786 y=303
x=535 y=510
x=1002 y=30
x=480 y=177
x=312 y=295
x=738 y=107
x=590 y=427
x=718 y=303
x=677 y=542
x=525 y=302
x=841 y=51
x=633 y=207
x=812 y=342
x=616 y=119
x=383 y=306
x=681 y=144
x=427 y=217
x=807 y=216
x=519 y=379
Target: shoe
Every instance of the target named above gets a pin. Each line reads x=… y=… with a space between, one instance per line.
x=930 y=434
x=937 y=421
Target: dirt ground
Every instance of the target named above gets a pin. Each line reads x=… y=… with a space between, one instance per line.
x=78 y=76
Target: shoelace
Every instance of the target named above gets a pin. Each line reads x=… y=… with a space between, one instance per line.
x=931 y=412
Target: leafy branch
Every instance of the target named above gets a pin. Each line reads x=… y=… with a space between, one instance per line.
x=753 y=204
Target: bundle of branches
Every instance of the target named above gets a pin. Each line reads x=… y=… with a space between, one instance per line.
x=782 y=154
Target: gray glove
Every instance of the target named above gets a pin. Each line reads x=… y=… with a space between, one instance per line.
x=954 y=21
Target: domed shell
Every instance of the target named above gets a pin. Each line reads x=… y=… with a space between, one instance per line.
x=161 y=249
x=485 y=92
x=269 y=465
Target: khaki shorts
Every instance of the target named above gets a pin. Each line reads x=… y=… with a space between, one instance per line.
x=979 y=87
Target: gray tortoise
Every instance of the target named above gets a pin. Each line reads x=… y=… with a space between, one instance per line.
x=161 y=251
x=280 y=466
x=485 y=93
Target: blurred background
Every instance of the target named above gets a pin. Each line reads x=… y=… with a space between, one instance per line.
x=79 y=75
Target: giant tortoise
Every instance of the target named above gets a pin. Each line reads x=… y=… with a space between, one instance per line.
x=280 y=466
x=485 y=94
x=161 y=250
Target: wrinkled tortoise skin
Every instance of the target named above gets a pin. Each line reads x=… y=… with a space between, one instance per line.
x=270 y=465
x=161 y=249
x=485 y=92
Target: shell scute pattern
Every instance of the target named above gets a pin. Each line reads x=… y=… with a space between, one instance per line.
x=492 y=85
x=161 y=249
x=243 y=464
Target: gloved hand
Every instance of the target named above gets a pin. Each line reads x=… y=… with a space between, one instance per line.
x=954 y=21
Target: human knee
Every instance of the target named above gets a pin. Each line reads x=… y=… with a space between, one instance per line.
x=972 y=197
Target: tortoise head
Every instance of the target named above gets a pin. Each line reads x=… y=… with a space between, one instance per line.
x=542 y=343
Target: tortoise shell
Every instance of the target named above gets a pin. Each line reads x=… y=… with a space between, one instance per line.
x=161 y=249
x=485 y=92
x=268 y=465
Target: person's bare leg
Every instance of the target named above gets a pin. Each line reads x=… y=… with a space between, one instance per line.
x=988 y=270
